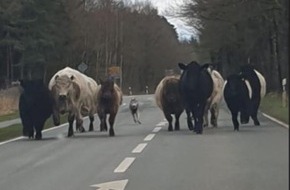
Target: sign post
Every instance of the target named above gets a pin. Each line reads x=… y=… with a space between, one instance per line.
x=284 y=96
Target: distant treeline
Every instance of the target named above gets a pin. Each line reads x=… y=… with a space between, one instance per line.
x=39 y=37
x=236 y=32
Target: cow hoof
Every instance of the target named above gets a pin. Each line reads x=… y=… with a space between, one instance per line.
x=257 y=123
x=170 y=129
x=38 y=136
x=82 y=130
x=199 y=132
x=111 y=133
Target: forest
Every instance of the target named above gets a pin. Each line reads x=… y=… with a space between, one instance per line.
x=39 y=37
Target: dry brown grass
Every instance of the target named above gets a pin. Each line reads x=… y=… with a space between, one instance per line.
x=9 y=100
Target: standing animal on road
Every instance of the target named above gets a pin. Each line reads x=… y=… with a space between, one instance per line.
x=196 y=87
x=168 y=99
x=35 y=107
x=258 y=86
x=237 y=94
x=134 y=108
x=109 y=98
x=73 y=93
x=214 y=100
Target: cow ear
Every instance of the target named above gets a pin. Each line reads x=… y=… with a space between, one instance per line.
x=182 y=66
x=22 y=83
x=100 y=81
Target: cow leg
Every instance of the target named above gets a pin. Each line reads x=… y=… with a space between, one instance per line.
x=111 y=122
x=199 y=113
x=169 y=119
x=189 y=121
x=255 y=113
x=205 y=116
x=214 y=115
x=71 y=118
x=177 y=126
x=27 y=127
x=38 y=128
x=103 y=124
x=235 y=120
x=55 y=116
x=92 y=118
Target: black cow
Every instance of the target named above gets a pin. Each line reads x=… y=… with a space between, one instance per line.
x=35 y=107
x=196 y=87
x=237 y=94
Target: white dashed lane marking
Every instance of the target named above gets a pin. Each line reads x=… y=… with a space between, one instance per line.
x=149 y=137
x=139 y=148
x=156 y=129
x=124 y=165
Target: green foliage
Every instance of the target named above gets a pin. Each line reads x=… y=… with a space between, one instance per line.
x=271 y=104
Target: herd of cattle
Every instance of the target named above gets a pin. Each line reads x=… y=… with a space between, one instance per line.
x=198 y=90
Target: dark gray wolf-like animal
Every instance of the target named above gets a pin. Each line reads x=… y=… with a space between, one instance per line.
x=35 y=107
x=134 y=108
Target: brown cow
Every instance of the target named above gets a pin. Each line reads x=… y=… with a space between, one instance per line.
x=168 y=99
x=109 y=99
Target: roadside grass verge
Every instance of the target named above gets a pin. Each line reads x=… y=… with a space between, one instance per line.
x=271 y=104
x=10 y=116
x=14 y=131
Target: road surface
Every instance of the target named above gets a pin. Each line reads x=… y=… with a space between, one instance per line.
x=148 y=157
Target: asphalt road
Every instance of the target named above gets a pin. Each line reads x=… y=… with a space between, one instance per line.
x=255 y=158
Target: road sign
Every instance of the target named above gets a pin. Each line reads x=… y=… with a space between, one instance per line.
x=112 y=185
x=82 y=67
x=114 y=71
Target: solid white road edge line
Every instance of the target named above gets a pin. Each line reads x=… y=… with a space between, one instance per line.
x=276 y=120
x=124 y=165
x=149 y=137
x=22 y=137
x=139 y=148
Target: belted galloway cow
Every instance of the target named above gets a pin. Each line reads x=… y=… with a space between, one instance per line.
x=76 y=94
x=243 y=93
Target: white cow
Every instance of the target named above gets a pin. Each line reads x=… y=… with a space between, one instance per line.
x=76 y=94
x=215 y=98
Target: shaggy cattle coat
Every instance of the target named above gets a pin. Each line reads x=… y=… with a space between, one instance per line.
x=74 y=93
x=35 y=107
x=168 y=99
x=109 y=98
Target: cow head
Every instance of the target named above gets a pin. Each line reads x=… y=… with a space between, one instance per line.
x=31 y=90
x=171 y=90
x=107 y=89
x=190 y=75
x=65 y=89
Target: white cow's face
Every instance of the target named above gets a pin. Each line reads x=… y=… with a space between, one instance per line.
x=64 y=89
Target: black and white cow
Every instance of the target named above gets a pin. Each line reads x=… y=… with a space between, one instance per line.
x=35 y=107
x=196 y=86
x=258 y=86
x=243 y=93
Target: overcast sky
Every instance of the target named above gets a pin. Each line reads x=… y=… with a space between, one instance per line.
x=184 y=31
